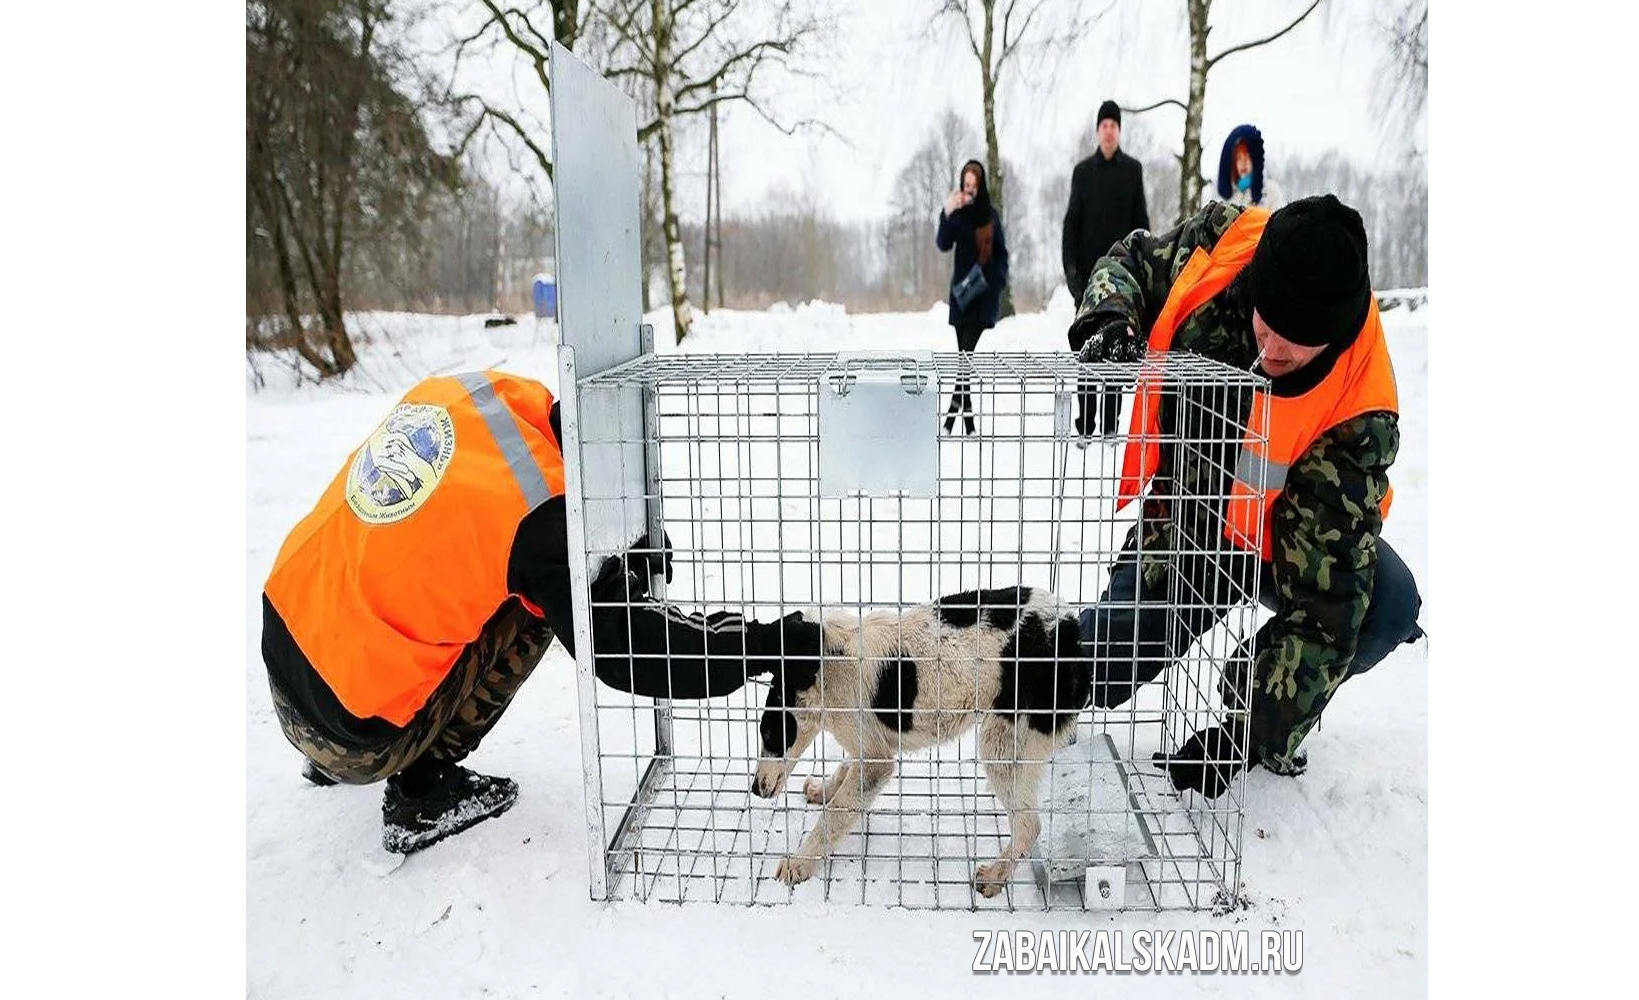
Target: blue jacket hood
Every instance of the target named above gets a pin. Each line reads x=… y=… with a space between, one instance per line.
x=1226 y=162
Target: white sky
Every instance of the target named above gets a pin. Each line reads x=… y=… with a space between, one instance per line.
x=882 y=79
x=1308 y=92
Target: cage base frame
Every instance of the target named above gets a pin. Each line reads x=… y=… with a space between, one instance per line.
x=1148 y=887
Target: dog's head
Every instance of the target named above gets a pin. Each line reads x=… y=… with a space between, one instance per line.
x=785 y=724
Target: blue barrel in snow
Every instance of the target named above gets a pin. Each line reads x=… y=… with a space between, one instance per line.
x=546 y=298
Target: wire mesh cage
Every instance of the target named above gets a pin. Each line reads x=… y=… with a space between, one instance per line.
x=836 y=486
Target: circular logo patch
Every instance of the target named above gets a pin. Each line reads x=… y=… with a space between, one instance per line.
x=396 y=470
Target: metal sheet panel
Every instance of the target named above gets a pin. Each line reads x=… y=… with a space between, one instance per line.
x=878 y=421
x=595 y=180
x=595 y=193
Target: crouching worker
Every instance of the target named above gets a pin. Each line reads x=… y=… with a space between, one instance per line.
x=405 y=610
x=1286 y=295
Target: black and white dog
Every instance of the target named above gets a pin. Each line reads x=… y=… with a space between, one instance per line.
x=893 y=682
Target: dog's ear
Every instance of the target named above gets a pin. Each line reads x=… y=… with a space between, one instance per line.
x=777 y=729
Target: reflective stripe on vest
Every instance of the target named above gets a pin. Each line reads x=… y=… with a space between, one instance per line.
x=1361 y=381
x=1257 y=472
x=404 y=558
x=503 y=426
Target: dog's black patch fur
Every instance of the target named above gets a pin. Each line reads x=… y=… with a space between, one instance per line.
x=1049 y=694
x=778 y=727
x=895 y=694
x=1001 y=607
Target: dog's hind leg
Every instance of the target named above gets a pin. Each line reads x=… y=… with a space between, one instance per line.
x=1013 y=770
x=819 y=792
x=850 y=798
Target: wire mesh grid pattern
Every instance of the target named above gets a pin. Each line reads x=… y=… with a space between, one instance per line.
x=731 y=449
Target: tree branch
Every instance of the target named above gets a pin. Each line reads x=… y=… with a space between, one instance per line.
x=1009 y=47
x=1262 y=41
x=622 y=22
x=1157 y=104
x=756 y=54
x=763 y=113
x=486 y=112
x=539 y=57
x=706 y=35
x=545 y=43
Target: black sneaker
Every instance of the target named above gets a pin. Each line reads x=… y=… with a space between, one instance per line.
x=419 y=810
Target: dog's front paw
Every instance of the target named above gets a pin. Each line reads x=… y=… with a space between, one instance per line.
x=814 y=791
x=992 y=877
x=794 y=870
x=769 y=780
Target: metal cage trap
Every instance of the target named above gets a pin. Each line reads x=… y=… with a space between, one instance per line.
x=827 y=484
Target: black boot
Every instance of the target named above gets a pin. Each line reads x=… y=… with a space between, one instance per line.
x=431 y=800
x=311 y=772
x=1276 y=764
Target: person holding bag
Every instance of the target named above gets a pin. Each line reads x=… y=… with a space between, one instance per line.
x=971 y=226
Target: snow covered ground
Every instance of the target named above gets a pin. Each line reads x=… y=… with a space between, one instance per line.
x=1340 y=853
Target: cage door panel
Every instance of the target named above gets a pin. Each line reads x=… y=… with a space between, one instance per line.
x=878 y=420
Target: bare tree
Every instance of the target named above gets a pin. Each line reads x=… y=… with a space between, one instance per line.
x=996 y=41
x=1160 y=172
x=1401 y=91
x=687 y=57
x=522 y=29
x=1190 y=180
x=335 y=152
x=1393 y=204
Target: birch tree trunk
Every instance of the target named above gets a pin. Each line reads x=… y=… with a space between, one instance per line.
x=1189 y=164
x=665 y=105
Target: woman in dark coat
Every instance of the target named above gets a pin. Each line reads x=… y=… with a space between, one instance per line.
x=971 y=225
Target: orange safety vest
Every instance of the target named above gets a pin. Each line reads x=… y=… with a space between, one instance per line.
x=1362 y=381
x=404 y=558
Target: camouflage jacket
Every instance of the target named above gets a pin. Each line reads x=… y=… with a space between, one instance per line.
x=1325 y=523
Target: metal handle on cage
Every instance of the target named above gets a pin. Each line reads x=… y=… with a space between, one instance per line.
x=914 y=382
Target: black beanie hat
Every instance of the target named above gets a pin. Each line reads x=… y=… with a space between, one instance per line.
x=1308 y=276
x=1109 y=109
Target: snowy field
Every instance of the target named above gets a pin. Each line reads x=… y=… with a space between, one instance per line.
x=1340 y=853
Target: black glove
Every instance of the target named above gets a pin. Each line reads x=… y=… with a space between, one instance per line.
x=1207 y=762
x=1111 y=339
x=656 y=560
x=625 y=578
x=617 y=584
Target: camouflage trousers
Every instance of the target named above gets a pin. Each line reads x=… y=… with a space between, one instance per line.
x=1135 y=632
x=458 y=714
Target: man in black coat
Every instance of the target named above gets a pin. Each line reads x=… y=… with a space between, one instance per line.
x=1106 y=203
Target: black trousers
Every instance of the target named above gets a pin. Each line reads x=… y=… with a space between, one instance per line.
x=1098 y=412
x=967 y=338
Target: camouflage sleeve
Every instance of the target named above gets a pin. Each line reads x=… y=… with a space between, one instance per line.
x=1132 y=281
x=1325 y=527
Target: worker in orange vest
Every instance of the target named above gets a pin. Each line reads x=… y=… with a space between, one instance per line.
x=1292 y=495
x=404 y=611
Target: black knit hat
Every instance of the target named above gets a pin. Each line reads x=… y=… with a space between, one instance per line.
x=1109 y=109
x=1308 y=276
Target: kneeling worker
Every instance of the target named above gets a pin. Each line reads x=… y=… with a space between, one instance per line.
x=405 y=610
